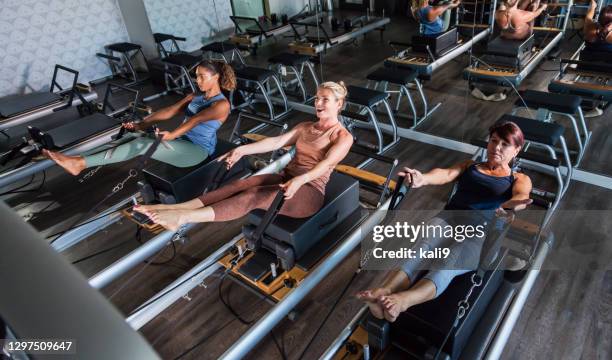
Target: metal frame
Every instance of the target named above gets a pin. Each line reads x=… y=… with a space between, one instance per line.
x=278 y=68
x=582 y=140
x=329 y=42
x=403 y=90
x=122 y=66
x=264 y=90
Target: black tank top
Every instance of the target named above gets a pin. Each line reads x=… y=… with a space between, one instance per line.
x=478 y=191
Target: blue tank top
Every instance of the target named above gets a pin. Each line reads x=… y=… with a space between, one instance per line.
x=427 y=27
x=478 y=191
x=204 y=134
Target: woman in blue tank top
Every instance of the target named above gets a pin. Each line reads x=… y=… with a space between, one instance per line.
x=187 y=145
x=481 y=188
x=430 y=16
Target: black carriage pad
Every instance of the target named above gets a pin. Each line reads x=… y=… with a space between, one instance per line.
x=289 y=59
x=16 y=104
x=398 y=76
x=219 y=47
x=426 y=325
x=594 y=52
x=189 y=182
x=536 y=130
x=438 y=44
x=341 y=200
x=182 y=59
x=567 y=104
x=81 y=129
x=252 y=73
x=510 y=48
x=364 y=96
x=123 y=47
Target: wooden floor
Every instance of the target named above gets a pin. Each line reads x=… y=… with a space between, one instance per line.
x=568 y=314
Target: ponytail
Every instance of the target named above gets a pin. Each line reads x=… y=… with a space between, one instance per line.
x=227 y=77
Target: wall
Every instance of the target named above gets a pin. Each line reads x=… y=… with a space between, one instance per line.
x=288 y=7
x=38 y=34
x=192 y=19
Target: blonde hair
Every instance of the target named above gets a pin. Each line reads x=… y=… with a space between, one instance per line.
x=338 y=88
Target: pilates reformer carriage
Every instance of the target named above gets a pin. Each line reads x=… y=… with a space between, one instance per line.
x=21 y=109
x=506 y=63
x=98 y=127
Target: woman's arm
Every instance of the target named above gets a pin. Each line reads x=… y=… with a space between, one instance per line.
x=218 y=111
x=437 y=176
x=524 y=17
x=436 y=11
x=591 y=12
x=272 y=143
x=338 y=151
x=521 y=189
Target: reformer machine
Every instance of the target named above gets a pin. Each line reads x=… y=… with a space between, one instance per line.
x=284 y=258
x=252 y=32
x=20 y=109
x=314 y=38
x=75 y=137
x=506 y=63
x=588 y=74
x=474 y=316
x=427 y=53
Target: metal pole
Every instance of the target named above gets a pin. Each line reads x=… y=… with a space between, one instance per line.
x=345 y=334
x=258 y=331
x=105 y=219
x=179 y=287
x=513 y=313
x=134 y=258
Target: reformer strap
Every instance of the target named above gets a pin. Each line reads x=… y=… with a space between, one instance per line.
x=254 y=240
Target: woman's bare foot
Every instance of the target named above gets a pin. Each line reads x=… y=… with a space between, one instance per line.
x=72 y=164
x=370 y=297
x=147 y=209
x=395 y=304
x=170 y=219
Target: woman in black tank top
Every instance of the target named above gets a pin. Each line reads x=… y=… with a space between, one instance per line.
x=481 y=187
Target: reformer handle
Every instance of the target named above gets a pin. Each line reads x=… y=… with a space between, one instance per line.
x=399 y=193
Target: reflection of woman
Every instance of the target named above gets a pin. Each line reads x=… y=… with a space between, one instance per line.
x=185 y=146
x=599 y=33
x=430 y=17
x=515 y=18
x=320 y=146
x=481 y=188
